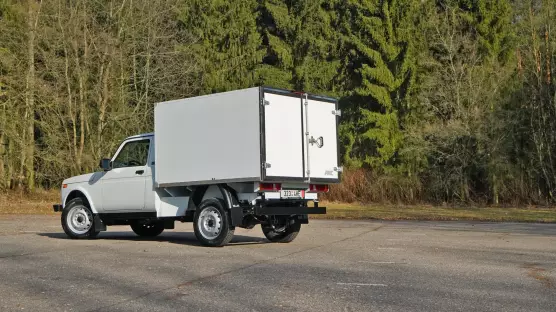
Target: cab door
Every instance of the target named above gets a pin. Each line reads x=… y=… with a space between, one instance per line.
x=123 y=187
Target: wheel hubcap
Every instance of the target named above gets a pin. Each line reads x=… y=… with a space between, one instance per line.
x=278 y=225
x=210 y=223
x=79 y=220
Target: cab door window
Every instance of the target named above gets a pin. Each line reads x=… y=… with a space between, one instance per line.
x=133 y=154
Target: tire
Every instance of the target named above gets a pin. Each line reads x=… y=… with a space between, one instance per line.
x=211 y=223
x=78 y=220
x=147 y=229
x=286 y=234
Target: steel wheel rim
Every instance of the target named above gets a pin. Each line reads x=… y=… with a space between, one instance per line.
x=277 y=227
x=210 y=223
x=79 y=220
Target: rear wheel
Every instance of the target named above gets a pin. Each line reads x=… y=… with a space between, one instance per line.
x=78 y=220
x=147 y=229
x=212 y=224
x=281 y=230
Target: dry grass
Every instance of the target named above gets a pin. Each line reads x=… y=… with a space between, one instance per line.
x=360 y=185
x=39 y=202
x=422 y=212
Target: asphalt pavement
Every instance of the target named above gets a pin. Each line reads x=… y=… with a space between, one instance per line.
x=331 y=266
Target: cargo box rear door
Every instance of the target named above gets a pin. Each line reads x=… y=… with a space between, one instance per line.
x=321 y=139
x=282 y=136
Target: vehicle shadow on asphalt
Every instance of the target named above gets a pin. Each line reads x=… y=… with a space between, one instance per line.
x=182 y=238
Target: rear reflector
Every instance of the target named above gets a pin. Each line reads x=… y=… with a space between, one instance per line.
x=64 y=185
x=270 y=187
x=319 y=188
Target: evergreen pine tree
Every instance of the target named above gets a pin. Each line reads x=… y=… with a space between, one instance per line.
x=491 y=20
x=228 y=45
x=300 y=46
x=378 y=66
x=276 y=26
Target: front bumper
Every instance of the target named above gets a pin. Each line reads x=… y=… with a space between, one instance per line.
x=58 y=207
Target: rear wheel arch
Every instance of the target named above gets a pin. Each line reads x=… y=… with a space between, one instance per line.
x=227 y=194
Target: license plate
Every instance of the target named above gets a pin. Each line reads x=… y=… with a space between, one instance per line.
x=291 y=194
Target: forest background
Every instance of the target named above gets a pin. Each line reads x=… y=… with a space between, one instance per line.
x=442 y=101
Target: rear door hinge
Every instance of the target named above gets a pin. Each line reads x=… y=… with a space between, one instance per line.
x=337 y=112
x=265 y=102
x=339 y=169
x=266 y=165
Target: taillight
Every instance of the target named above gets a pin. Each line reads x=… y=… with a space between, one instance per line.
x=265 y=187
x=64 y=185
x=319 y=188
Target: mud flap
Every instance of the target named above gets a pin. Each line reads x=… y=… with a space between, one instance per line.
x=237 y=215
x=99 y=225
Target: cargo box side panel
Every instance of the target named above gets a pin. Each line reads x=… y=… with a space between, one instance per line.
x=208 y=139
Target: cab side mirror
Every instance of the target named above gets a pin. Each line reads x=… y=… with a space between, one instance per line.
x=105 y=164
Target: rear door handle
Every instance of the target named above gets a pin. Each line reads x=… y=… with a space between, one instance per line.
x=139 y=172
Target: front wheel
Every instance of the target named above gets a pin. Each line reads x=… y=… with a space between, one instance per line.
x=281 y=230
x=147 y=229
x=212 y=224
x=78 y=220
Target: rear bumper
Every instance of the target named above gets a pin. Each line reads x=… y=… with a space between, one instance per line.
x=57 y=207
x=288 y=211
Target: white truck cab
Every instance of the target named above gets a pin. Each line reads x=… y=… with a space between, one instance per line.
x=233 y=159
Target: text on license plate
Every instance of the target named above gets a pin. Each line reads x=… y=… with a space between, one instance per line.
x=292 y=194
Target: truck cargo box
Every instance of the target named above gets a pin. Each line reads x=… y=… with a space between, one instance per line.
x=256 y=134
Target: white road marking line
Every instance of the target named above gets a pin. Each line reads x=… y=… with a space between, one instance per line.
x=362 y=284
x=381 y=262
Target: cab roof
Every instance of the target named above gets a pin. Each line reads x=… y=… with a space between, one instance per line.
x=142 y=135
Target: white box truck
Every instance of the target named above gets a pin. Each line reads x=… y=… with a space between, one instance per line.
x=226 y=160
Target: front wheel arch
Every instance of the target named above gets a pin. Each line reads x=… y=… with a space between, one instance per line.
x=77 y=193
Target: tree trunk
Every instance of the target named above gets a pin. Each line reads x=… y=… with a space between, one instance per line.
x=28 y=149
x=10 y=168
x=82 y=67
x=2 y=155
x=495 y=196
x=103 y=101
x=3 y=143
x=411 y=195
